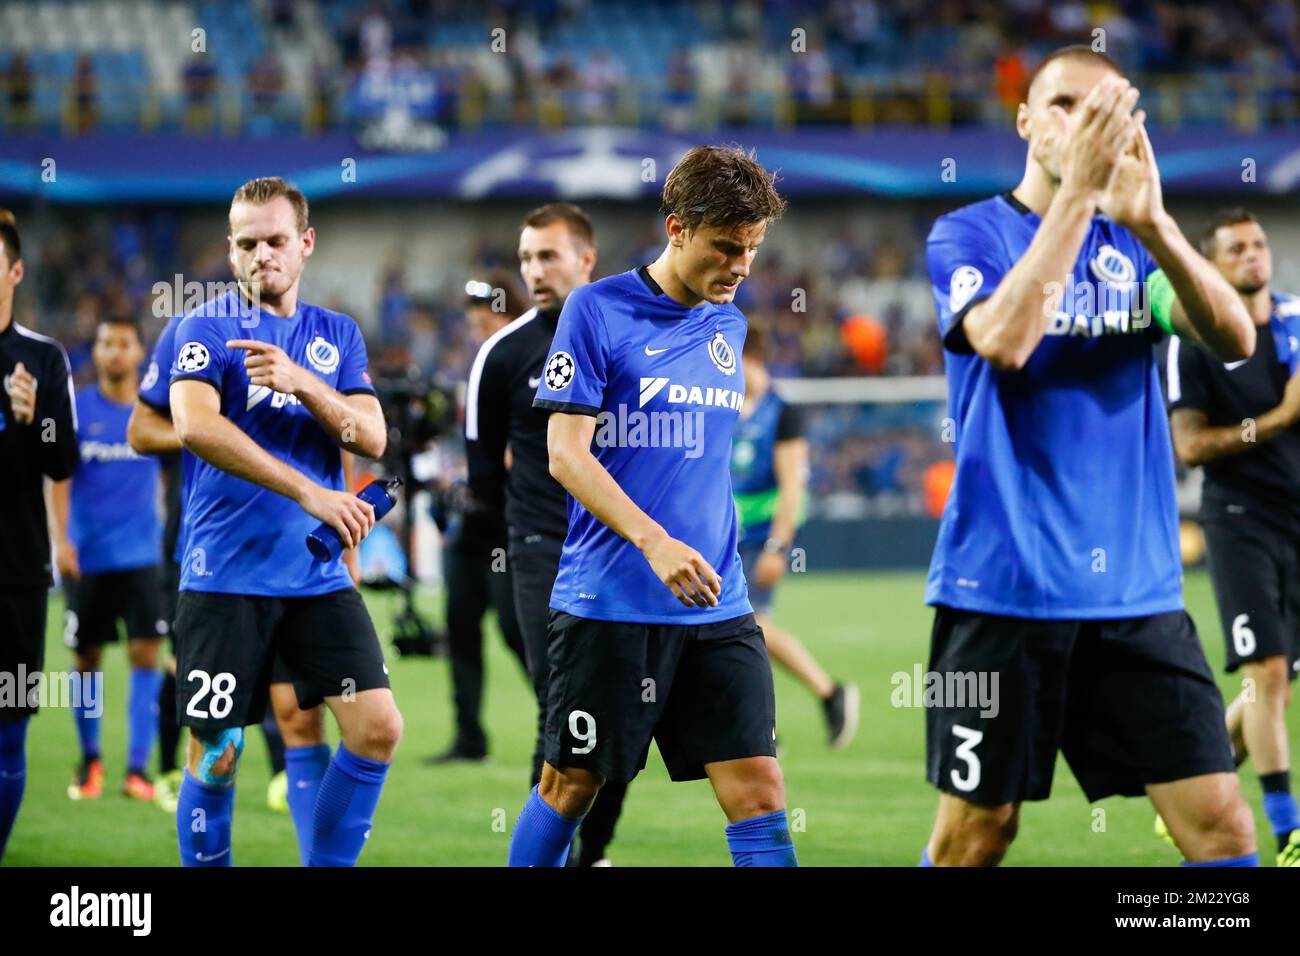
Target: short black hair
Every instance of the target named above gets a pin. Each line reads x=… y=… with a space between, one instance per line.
x=755 y=342
x=111 y=318
x=9 y=236
x=496 y=285
x=1232 y=216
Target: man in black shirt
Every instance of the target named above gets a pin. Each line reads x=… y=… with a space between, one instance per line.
x=38 y=437
x=506 y=446
x=1239 y=420
x=475 y=568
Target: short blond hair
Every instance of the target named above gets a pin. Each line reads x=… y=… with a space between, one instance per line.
x=265 y=188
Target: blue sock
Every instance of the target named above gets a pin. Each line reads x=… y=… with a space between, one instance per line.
x=925 y=857
x=541 y=836
x=304 y=767
x=88 y=728
x=203 y=822
x=345 y=806
x=762 y=841
x=13 y=774
x=142 y=720
x=1250 y=859
x=1279 y=804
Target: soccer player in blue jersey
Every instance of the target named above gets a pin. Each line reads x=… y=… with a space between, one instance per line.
x=265 y=389
x=651 y=631
x=1057 y=565
x=109 y=543
x=305 y=754
x=1241 y=421
x=769 y=469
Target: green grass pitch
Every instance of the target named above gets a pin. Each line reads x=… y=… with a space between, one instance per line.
x=865 y=805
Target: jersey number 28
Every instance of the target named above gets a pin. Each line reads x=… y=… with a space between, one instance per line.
x=222 y=687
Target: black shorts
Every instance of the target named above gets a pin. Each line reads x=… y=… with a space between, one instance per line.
x=1255 y=568
x=98 y=601
x=703 y=693
x=1129 y=702
x=169 y=590
x=226 y=645
x=22 y=647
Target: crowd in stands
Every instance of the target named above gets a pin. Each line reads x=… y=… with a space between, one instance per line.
x=272 y=66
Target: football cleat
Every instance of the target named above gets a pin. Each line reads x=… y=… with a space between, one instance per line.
x=277 y=793
x=88 y=784
x=1290 y=854
x=139 y=787
x=457 y=753
x=841 y=712
x=1162 y=832
x=167 y=790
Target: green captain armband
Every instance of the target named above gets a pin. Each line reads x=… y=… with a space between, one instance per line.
x=1160 y=299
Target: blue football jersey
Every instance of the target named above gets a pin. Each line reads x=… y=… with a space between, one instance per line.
x=1062 y=506
x=240 y=538
x=1285 y=325
x=113 y=516
x=664 y=383
x=753 y=467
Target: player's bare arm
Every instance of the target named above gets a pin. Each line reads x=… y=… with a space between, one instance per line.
x=1007 y=326
x=680 y=567
x=203 y=430
x=356 y=422
x=1207 y=309
x=351 y=556
x=60 y=504
x=1197 y=441
x=790 y=462
x=150 y=432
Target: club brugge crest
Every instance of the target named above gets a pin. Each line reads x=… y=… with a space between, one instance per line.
x=721 y=353
x=1113 y=267
x=323 y=356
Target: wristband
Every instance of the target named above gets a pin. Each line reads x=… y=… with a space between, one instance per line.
x=775 y=546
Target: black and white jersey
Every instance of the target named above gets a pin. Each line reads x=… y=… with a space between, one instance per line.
x=499 y=412
x=46 y=447
x=1266 y=478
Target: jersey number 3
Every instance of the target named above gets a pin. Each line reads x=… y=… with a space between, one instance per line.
x=970 y=739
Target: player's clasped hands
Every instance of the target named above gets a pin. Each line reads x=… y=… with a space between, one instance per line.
x=685 y=572
x=21 y=387
x=1098 y=133
x=268 y=365
x=352 y=517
